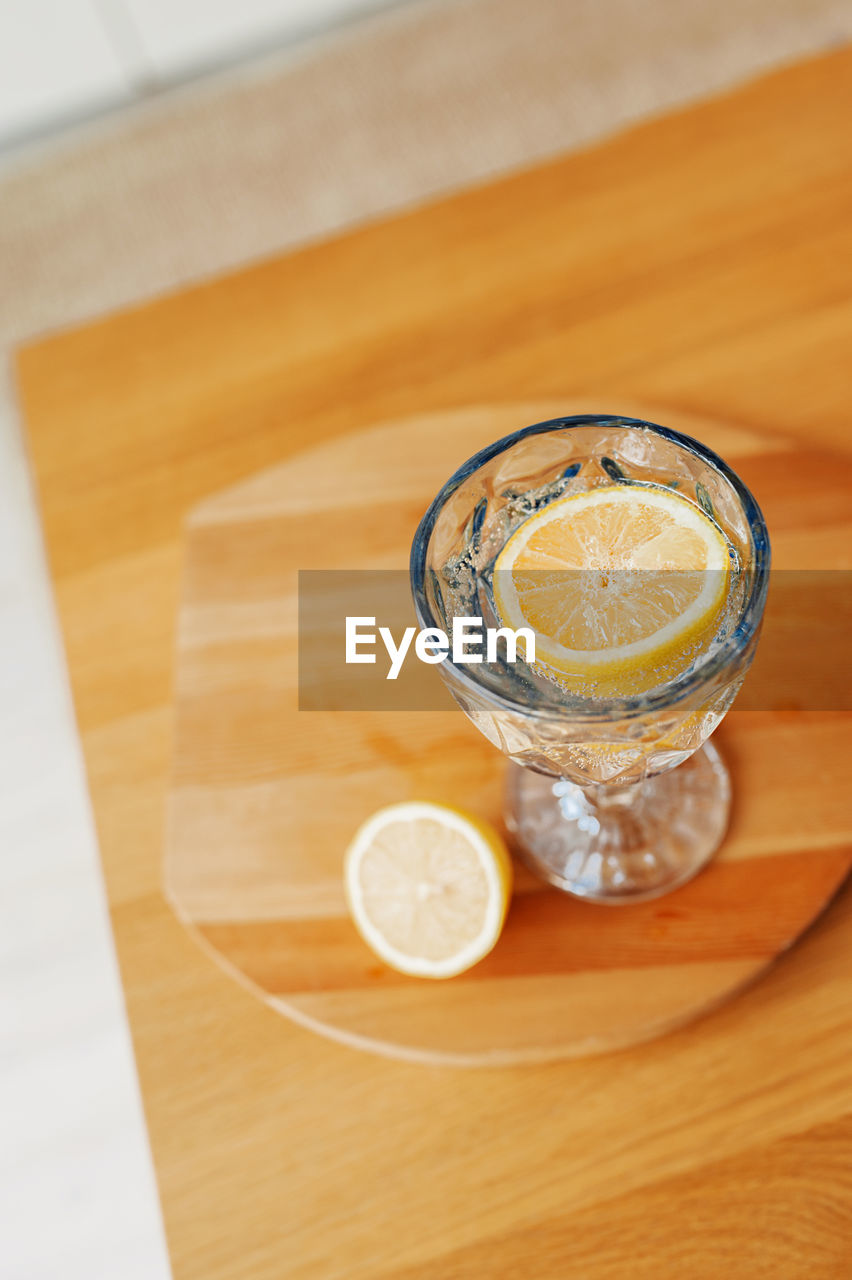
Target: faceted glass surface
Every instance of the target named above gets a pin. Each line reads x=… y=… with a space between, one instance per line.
x=605 y=747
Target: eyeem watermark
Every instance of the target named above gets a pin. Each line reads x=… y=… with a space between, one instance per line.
x=802 y=661
x=432 y=645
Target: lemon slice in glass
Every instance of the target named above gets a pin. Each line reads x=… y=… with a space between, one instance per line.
x=617 y=582
x=428 y=887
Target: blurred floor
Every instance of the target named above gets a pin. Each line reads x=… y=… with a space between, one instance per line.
x=325 y=135
x=403 y=107
x=66 y=60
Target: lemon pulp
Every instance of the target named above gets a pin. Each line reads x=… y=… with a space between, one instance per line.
x=623 y=586
x=428 y=887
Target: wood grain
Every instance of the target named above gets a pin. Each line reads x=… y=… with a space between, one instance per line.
x=700 y=261
x=266 y=797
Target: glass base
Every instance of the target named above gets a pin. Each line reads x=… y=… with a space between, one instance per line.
x=621 y=844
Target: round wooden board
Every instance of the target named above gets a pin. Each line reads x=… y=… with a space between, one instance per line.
x=264 y=798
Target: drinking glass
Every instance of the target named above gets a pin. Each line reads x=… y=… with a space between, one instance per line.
x=619 y=797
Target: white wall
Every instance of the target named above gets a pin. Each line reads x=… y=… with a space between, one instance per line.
x=63 y=60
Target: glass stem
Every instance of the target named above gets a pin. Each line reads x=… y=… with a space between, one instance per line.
x=608 y=796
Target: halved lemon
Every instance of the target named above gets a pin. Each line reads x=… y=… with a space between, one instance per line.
x=428 y=887
x=623 y=585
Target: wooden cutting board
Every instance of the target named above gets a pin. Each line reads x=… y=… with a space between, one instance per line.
x=265 y=797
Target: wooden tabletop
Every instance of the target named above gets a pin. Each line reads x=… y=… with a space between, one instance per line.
x=703 y=261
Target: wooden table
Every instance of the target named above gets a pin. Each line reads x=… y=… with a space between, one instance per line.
x=702 y=261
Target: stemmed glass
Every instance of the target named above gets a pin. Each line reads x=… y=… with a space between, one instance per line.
x=613 y=798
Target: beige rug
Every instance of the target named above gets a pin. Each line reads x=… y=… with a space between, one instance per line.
x=399 y=108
